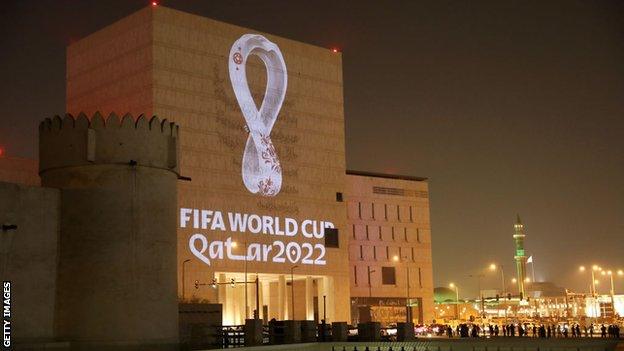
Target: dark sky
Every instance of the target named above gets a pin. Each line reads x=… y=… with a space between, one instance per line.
x=507 y=106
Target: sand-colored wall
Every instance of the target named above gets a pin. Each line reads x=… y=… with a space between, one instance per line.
x=175 y=65
x=372 y=219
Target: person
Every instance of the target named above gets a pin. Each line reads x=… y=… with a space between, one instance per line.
x=511 y=330
x=496 y=330
x=591 y=330
x=534 y=331
x=585 y=330
x=542 y=331
x=449 y=331
x=549 y=331
x=617 y=331
x=565 y=331
x=578 y=330
x=603 y=331
x=504 y=330
x=573 y=331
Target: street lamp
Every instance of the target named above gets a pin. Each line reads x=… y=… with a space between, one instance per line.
x=493 y=268
x=292 y=291
x=370 y=285
x=595 y=268
x=184 y=278
x=408 y=317
x=453 y=286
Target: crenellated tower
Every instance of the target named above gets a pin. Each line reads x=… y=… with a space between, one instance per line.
x=520 y=256
x=117 y=283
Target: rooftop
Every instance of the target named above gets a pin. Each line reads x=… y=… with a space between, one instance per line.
x=384 y=175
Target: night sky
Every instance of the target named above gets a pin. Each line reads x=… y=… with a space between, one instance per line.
x=507 y=106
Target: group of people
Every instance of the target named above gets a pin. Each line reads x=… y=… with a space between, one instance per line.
x=533 y=330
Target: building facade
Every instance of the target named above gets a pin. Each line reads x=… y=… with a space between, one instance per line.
x=269 y=223
x=389 y=248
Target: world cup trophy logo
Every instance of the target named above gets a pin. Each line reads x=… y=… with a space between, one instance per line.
x=261 y=169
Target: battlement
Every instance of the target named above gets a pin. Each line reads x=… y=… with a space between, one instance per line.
x=79 y=141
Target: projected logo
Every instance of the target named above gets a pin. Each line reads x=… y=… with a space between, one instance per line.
x=261 y=169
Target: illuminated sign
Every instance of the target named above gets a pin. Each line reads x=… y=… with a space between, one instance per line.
x=261 y=169
x=279 y=251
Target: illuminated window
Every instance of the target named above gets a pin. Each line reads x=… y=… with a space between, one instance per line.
x=388 y=276
x=339 y=197
x=331 y=238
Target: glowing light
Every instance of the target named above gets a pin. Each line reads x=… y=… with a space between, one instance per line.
x=334 y=50
x=582 y=268
x=596 y=282
x=527 y=280
x=514 y=280
x=234 y=244
x=620 y=272
x=493 y=266
x=609 y=272
x=595 y=267
x=452 y=285
x=154 y=3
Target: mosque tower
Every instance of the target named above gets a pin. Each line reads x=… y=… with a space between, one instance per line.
x=521 y=259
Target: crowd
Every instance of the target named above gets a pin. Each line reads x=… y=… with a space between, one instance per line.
x=534 y=330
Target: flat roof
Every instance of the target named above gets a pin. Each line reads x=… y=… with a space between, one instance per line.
x=384 y=175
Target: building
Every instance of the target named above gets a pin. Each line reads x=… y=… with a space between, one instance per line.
x=389 y=247
x=520 y=257
x=268 y=221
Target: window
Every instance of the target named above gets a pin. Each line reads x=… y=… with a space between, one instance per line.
x=419 y=277
x=355 y=274
x=373 y=209
x=367 y=238
x=339 y=197
x=418 y=234
x=388 y=276
x=413 y=257
x=392 y=233
x=354 y=231
x=387 y=252
x=375 y=252
x=361 y=252
x=398 y=213
x=331 y=238
x=405 y=233
x=386 y=212
x=411 y=215
x=360 y=210
x=380 y=237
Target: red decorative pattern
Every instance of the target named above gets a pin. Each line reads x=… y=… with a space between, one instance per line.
x=269 y=155
x=238 y=58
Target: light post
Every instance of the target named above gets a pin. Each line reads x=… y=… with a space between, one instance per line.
x=184 y=278
x=292 y=291
x=370 y=285
x=493 y=268
x=479 y=276
x=453 y=286
x=592 y=287
x=408 y=316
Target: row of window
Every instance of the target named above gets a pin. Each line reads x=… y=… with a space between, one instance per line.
x=394 y=233
x=388 y=275
x=384 y=253
x=387 y=212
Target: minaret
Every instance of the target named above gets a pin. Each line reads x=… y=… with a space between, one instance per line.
x=519 y=256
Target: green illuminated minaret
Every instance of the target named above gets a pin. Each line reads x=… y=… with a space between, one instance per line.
x=520 y=257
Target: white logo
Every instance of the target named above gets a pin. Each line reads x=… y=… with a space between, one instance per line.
x=261 y=169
